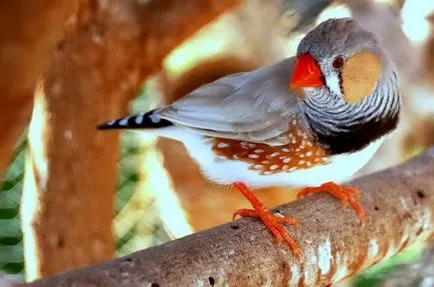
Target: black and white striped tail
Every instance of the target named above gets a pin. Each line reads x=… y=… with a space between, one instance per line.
x=147 y=120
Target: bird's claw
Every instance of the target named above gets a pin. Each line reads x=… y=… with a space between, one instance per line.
x=347 y=195
x=272 y=222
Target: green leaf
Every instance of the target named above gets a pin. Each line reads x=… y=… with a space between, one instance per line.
x=11 y=254
x=13 y=268
x=124 y=194
x=11 y=248
x=10 y=198
x=10 y=240
x=9 y=213
x=10 y=227
x=124 y=239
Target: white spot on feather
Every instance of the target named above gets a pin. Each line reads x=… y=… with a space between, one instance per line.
x=139 y=118
x=222 y=145
x=154 y=118
x=123 y=122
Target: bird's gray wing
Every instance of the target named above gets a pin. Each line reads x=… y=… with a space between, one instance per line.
x=252 y=106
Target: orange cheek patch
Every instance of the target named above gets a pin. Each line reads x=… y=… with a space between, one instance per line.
x=360 y=76
x=301 y=152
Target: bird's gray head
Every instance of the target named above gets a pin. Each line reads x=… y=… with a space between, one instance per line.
x=345 y=80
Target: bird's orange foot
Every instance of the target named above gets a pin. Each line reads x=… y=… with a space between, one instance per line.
x=347 y=195
x=271 y=221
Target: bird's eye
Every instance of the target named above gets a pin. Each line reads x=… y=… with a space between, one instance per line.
x=338 y=62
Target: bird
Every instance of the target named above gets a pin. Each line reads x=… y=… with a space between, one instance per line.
x=310 y=121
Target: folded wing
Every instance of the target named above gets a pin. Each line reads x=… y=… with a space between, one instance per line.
x=253 y=106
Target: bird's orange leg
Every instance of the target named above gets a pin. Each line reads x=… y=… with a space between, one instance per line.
x=347 y=195
x=271 y=221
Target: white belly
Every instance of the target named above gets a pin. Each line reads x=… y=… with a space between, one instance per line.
x=224 y=171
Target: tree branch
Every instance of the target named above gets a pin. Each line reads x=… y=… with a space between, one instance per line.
x=399 y=203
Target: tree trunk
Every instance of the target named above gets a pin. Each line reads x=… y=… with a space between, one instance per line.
x=28 y=34
x=109 y=49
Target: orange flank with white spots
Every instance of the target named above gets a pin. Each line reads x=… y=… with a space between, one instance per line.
x=301 y=152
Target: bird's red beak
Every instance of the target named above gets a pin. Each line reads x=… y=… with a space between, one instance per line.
x=306 y=74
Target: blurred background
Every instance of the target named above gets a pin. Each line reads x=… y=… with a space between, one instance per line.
x=71 y=196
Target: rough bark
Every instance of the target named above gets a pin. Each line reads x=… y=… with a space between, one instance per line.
x=28 y=34
x=109 y=49
x=399 y=203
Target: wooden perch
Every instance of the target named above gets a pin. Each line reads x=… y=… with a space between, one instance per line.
x=399 y=203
